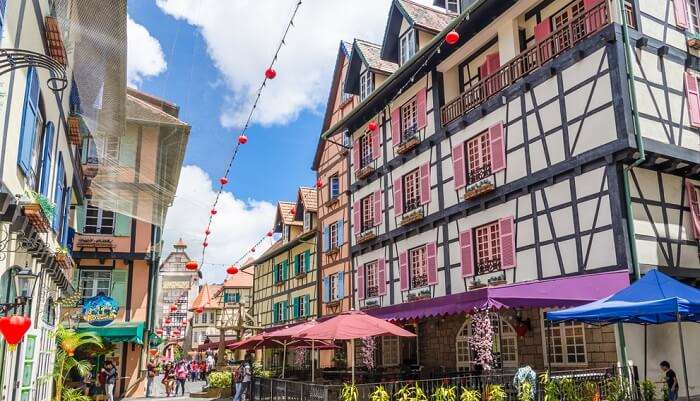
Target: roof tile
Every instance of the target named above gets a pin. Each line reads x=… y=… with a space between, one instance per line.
x=371 y=53
x=427 y=17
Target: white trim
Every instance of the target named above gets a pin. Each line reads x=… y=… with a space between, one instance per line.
x=564 y=344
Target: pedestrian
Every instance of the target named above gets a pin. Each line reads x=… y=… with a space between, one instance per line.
x=193 y=370
x=671 y=381
x=168 y=378
x=151 y=368
x=203 y=370
x=196 y=370
x=181 y=373
x=242 y=378
x=110 y=375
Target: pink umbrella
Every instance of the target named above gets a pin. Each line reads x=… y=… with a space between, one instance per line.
x=288 y=336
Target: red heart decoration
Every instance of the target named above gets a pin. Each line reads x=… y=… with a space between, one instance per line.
x=13 y=329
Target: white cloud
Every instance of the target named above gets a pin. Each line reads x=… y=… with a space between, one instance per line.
x=241 y=37
x=237 y=225
x=144 y=55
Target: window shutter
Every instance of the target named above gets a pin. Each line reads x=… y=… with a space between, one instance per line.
x=398 y=196
x=122 y=225
x=425 y=183
x=326 y=289
x=307 y=305
x=340 y=292
x=356 y=222
x=377 y=199
x=29 y=114
x=295 y=307
x=307 y=261
x=274 y=274
x=275 y=312
x=325 y=239
x=128 y=144
x=119 y=285
x=493 y=61
x=506 y=228
x=381 y=276
x=498 y=150
x=80 y=212
x=421 y=108
x=361 y=282
x=356 y=154
x=285 y=310
x=376 y=141
x=483 y=71
x=542 y=30
x=396 y=126
x=459 y=166
x=285 y=270
x=58 y=193
x=295 y=265
x=46 y=159
x=694 y=207
x=74 y=281
x=403 y=271
x=341 y=232
x=466 y=254
x=431 y=250
x=66 y=211
x=681 y=11
x=693 y=95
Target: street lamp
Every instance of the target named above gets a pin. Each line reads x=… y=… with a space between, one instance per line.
x=24 y=281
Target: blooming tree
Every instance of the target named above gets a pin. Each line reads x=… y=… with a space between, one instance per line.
x=481 y=340
x=299 y=356
x=367 y=351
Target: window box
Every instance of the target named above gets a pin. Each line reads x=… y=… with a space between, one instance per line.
x=372 y=291
x=63 y=258
x=300 y=274
x=332 y=202
x=693 y=40
x=333 y=250
x=410 y=140
x=423 y=293
x=39 y=210
x=497 y=280
x=74 y=130
x=370 y=303
x=479 y=188
x=475 y=285
x=488 y=266
x=412 y=216
x=365 y=236
x=333 y=303
x=364 y=172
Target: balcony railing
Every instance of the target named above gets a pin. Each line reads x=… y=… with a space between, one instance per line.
x=419 y=280
x=372 y=291
x=564 y=38
x=479 y=173
x=486 y=266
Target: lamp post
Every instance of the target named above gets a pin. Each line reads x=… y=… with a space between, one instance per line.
x=25 y=282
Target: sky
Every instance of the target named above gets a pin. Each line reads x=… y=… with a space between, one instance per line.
x=209 y=57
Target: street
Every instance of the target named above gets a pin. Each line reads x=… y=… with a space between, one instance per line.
x=159 y=391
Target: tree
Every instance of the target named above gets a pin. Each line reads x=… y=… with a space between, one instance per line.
x=68 y=341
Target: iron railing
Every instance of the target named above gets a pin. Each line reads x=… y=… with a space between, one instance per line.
x=479 y=173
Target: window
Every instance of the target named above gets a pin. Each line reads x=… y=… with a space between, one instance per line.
x=278 y=311
x=333 y=287
x=49 y=312
x=308 y=221
x=567 y=343
x=278 y=273
x=563 y=16
x=409 y=120
x=365 y=150
x=287 y=233
x=110 y=148
x=407 y=46
x=333 y=235
x=418 y=269
x=98 y=221
x=3 y=4
x=367 y=212
x=334 y=186
x=344 y=96
x=505 y=344
x=95 y=282
x=452 y=5
x=371 y=278
x=411 y=188
x=366 y=84
x=693 y=14
x=204 y=318
x=31 y=124
x=300 y=267
x=488 y=248
x=631 y=21
x=478 y=158
x=390 y=351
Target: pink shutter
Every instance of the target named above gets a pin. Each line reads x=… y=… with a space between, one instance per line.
x=507 y=228
x=396 y=126
x=431 y=250
x=484 y=70
x=694 y=207
x=459 y=166
x=403 y=271
x=498 y=150
x=398 y=196
x=381 y=277
x=466 y=254
x=375 y=144
x=542 y=30
x=493 y=61
x=691 y=92
x=356 y=222
x=421 y=109
x=377 y=199
x=681 y=11
x=425 y=183
x=361 y=282
x=356 y=154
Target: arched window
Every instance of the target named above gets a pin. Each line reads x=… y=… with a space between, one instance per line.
x=505 y=344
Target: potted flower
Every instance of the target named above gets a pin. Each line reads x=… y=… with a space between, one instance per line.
x=479 y=188
x=39 y=210
x=476 y=284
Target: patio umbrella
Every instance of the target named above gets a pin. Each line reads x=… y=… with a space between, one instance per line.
x=288 y=336
x=247 y=343
x=353 y=325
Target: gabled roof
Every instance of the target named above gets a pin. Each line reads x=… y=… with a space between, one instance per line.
x=242 y=279
x=308 y=198
x=142 y=111
x=207 y=297
x=369 y=54
x=421 y=17
x=284 y=216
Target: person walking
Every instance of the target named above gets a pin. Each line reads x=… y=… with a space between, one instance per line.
x=168 y=378
x=151 y=368
x=242 y=378
x=110 y=375
x=181 y=373
x=671 y=381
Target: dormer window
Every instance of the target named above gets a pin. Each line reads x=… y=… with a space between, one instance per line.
x=407 y=46
x=366 y=84
x=308 y=221
x=452 y=5
x=287 y=230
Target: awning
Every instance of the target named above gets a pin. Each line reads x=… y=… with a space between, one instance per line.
x=557 y=292
x=117 y=332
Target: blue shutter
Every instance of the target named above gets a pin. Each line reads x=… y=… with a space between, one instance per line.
x=285 y=270
x=58 y=193
x=295 y=307
x=326 y=289
x=275 y=309
x=29 y=115
x=3 y=3
x=274 y=274
x=340 y=292
x=66 y=211
x=285 y=310
x=307 y=306
x=46 y=159
x=307 y=260
x=341 y=233
x=325 y=239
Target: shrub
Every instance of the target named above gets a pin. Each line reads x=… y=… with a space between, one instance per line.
x=219 y=379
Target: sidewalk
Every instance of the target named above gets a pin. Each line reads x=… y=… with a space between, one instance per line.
x=159 y=392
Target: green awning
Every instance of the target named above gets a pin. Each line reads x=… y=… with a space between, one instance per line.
x=117 y=332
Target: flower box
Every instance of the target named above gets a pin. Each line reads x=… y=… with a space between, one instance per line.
x=74 y=130
x=364 y=172
x=475 y=285
x=497 y=282
x=407 y=145
x=479 y=188
x=412 y=216
x=39 y=210
x=370 y=303
x=365 y=236
x=423 y=293
x=333 y=251
x=332 y=202
x=693 y=41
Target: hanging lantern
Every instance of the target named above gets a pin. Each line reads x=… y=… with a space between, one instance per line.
x=191 y=265
x=270 y=73
x=199 y=309
x=207 y=232
x=213 y=212
x=232 y=270
x=205 y=244
x=242 y=139
x=173 y=308
x=159 y=332
x=293 y=210
x=13 y=329
x=153 y=352
x=168 y=320
x=252 y=250
x=269 y=233
x=372 y=126
x=452 y=37
x=319 y=184
x=223 y=180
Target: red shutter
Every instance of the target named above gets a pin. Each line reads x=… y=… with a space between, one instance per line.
x=356 y=218
x=483 y=71
x=396 y=126
x=542 y=30
x=691 y=92
x=459 y=166
x=375 y=144
x=681 y=11
x=466 y=254
x=425 y=183
x=694 y=207
x=493 y=61
x=356 y=154
x=403 y=271
x=421 y=109
x=377 y=198
x=507 y=228
x=498 y=150
x=431 y=250
x=398 y=196
x=381 y=277
x=361 y=282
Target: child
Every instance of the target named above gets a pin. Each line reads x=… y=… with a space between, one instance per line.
x=671 y=381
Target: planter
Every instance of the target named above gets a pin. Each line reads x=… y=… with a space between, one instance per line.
x=364 y=172
x=476 y=286
x=479 y=188
x=333 y=251
x=36 y=216
x=370 y=303
x=64 y=260
x=494 y=283
x=412 y=217
x=693 y=41
x=332 y=202
x=407 y=145
x=365 y=236
x=417 y=296
x=74 y=130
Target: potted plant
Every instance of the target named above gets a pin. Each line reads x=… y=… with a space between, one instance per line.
x=379 y=394
x=479 y=188
x=470 y=395
x=476 y=284
x=445 y=393
x=495 y=392
x=648 y=390
x=497 y=280
x=411 y=393
x=550 y=388
x=68 y=341
x=39 y=210
x=348 y=392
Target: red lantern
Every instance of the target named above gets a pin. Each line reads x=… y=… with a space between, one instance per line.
x=176 y=332
x=269 y=233
x=199 y=309
x=223 y=180
x=173 y=308
x=270 y=73
x=207 y=232
x=232 y=270
x=159 y=332
x=153 y=351
x=13 y=329
x=191 y=265
x=319 y=184
x=242 y=139
x=205 y=244
x=452 y=37
x=293 y=210
x=168 y=320
x=213 y=212
x=252 y=250
x=372 y=126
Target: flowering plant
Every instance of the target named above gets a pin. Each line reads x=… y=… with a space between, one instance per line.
x=299 y=356
x=482 y=340
x=368 y=347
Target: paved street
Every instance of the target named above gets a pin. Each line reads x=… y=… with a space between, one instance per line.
x=159 y=391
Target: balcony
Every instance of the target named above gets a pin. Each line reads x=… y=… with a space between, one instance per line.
x=487 y=266
x=367 y=233
x=410 y=138
x=559 y=41
x=372 y=291
x=419 y=281
x=414 y=212
x=480 y=182
x=367 y=167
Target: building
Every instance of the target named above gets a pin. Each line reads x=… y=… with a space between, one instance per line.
x=521 y=154
x=177 y=289
x=118 y=238
x=207 y=311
